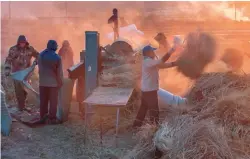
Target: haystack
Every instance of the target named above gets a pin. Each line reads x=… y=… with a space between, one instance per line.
x=200 y=50
x=219 y=126
x=213 y=85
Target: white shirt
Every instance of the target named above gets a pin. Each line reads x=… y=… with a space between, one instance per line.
x=150 y=75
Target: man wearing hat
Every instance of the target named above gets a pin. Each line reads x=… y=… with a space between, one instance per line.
x=150 y=84
x=19 y=58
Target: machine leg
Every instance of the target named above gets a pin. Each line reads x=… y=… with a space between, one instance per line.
x=82 y=110
x=101 y=128
x=117 y=125
x=86 y=123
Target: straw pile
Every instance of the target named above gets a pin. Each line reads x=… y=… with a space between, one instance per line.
x=199 y=51
x=124 y=70
x=126 y=75
x=218 y=127
x=183 y=137
x=213 y=85
x=145 y=147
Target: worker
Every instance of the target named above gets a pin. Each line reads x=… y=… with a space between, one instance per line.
x=114 y=19
x=66 y=54
x=19 y=58
x=50 y=81
x=150 y=84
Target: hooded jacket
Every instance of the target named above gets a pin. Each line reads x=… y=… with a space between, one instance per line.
x=20 y=58
x=50 y=66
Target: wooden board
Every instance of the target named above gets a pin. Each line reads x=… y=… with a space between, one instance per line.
x=109 y=96
x=30 y=118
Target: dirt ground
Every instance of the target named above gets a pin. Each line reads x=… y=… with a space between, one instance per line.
x=65 y=141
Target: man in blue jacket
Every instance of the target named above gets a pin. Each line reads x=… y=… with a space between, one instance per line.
x=50 y=81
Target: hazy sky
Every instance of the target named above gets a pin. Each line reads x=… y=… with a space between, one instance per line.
x=58 y=9
x=80 y=9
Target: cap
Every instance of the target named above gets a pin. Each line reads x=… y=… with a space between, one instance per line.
x=21 y=39
x=148 y=48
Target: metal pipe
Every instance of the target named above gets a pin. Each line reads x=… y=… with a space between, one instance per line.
x=117 y=125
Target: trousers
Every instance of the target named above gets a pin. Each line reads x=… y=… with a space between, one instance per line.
x=21 y=94
x=116 y=33
x=48 y=99
x=149 y=102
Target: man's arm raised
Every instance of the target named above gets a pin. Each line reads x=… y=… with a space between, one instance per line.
x=168 y=54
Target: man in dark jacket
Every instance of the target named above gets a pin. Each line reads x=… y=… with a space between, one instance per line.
x=50 y=80
x=19 y=58
x=114 y=19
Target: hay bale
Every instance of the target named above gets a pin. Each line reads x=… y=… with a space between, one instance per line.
x=199 y=51
x=233 y=58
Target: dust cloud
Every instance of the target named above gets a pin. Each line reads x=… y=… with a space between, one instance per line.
x=41 y=21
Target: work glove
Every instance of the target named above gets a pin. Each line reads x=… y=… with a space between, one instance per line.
x=35 y=62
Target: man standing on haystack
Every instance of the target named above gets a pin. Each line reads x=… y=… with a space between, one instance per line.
x=19 y=58
x=114 y=19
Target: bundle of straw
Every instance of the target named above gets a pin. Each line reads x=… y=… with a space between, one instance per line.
x=199 y=51
x=233 y=58
x=127 y=75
